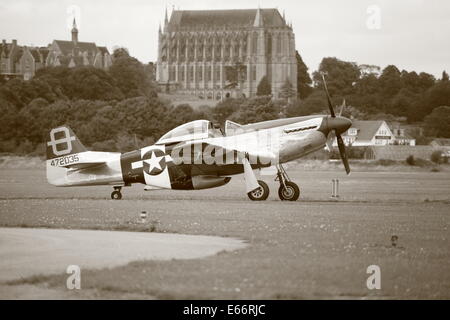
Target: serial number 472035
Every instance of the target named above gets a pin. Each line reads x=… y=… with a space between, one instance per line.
x=64 y=161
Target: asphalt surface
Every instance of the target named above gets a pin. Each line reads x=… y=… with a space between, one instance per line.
x=25 y=252
x=314 y=248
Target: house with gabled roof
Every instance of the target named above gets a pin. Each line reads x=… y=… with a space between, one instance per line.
x=32 y=59
x=364 y=133
x=75 y=53
x=9 y=56
x=24 y=61
x=367 y=133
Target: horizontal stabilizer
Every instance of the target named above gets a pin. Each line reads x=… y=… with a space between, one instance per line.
x=79 y=161
x=84 y=165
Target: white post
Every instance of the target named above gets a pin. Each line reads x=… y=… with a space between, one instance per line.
x=143 y=216
x=335 y=188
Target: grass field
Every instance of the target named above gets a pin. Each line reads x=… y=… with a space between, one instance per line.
x=312 y=248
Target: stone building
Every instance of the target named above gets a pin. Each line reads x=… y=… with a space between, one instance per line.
x=225 y=53
x=9 y=59
x=76 y=53
x=24 y=61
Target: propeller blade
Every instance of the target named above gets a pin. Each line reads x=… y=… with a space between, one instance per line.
x=330 y=106
x=342 y=152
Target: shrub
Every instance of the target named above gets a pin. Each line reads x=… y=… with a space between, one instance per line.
x=422 y=162
x=436 y=156
x=410 y=160
x=385 y=162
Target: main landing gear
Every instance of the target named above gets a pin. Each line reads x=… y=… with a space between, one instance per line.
x=116 y=194
x=261 y=193
x=288 y=190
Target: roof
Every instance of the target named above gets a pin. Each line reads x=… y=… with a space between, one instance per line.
x=67 y=47
x=44 y=52
x=5 y=48
x=18 y=54
x=35 y=53
x=103 y=50
x=221 y=18
x=366 y=129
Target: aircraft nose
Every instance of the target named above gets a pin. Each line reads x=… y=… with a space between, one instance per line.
x=339 y=124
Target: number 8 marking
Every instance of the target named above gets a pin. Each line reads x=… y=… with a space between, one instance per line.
x=66 y=140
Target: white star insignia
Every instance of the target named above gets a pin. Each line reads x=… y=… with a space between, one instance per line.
x=153 y=162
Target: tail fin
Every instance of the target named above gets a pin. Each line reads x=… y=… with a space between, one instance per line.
x=62 y=142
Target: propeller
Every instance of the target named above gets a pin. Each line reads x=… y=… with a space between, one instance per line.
x=337 y=123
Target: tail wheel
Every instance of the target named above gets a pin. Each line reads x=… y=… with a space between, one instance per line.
x=260 y=194
x=116 y=195
x=289 y=192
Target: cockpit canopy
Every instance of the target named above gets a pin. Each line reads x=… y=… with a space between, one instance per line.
x=194 y=130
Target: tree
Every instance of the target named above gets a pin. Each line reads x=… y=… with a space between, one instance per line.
x=131 y=76
x=390 y=82
x=255 y=110
x=444 y=76
x=410 y=81
x=438 y=122
x=340 y=76
x=402 y=103
x=315 y=103
x=226 y=108
x=426 y=80
x=264 y=88
x=435 y=96
x=91 y=83
x=304 y=81
x=287 y=90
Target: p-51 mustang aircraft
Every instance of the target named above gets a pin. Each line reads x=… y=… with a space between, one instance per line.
x=198 y=155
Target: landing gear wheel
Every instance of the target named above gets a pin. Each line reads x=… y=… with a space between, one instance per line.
x=289 y=191
x=261 y=193
x=116 y=195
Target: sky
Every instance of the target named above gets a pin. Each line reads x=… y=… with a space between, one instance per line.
x=411 y=34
